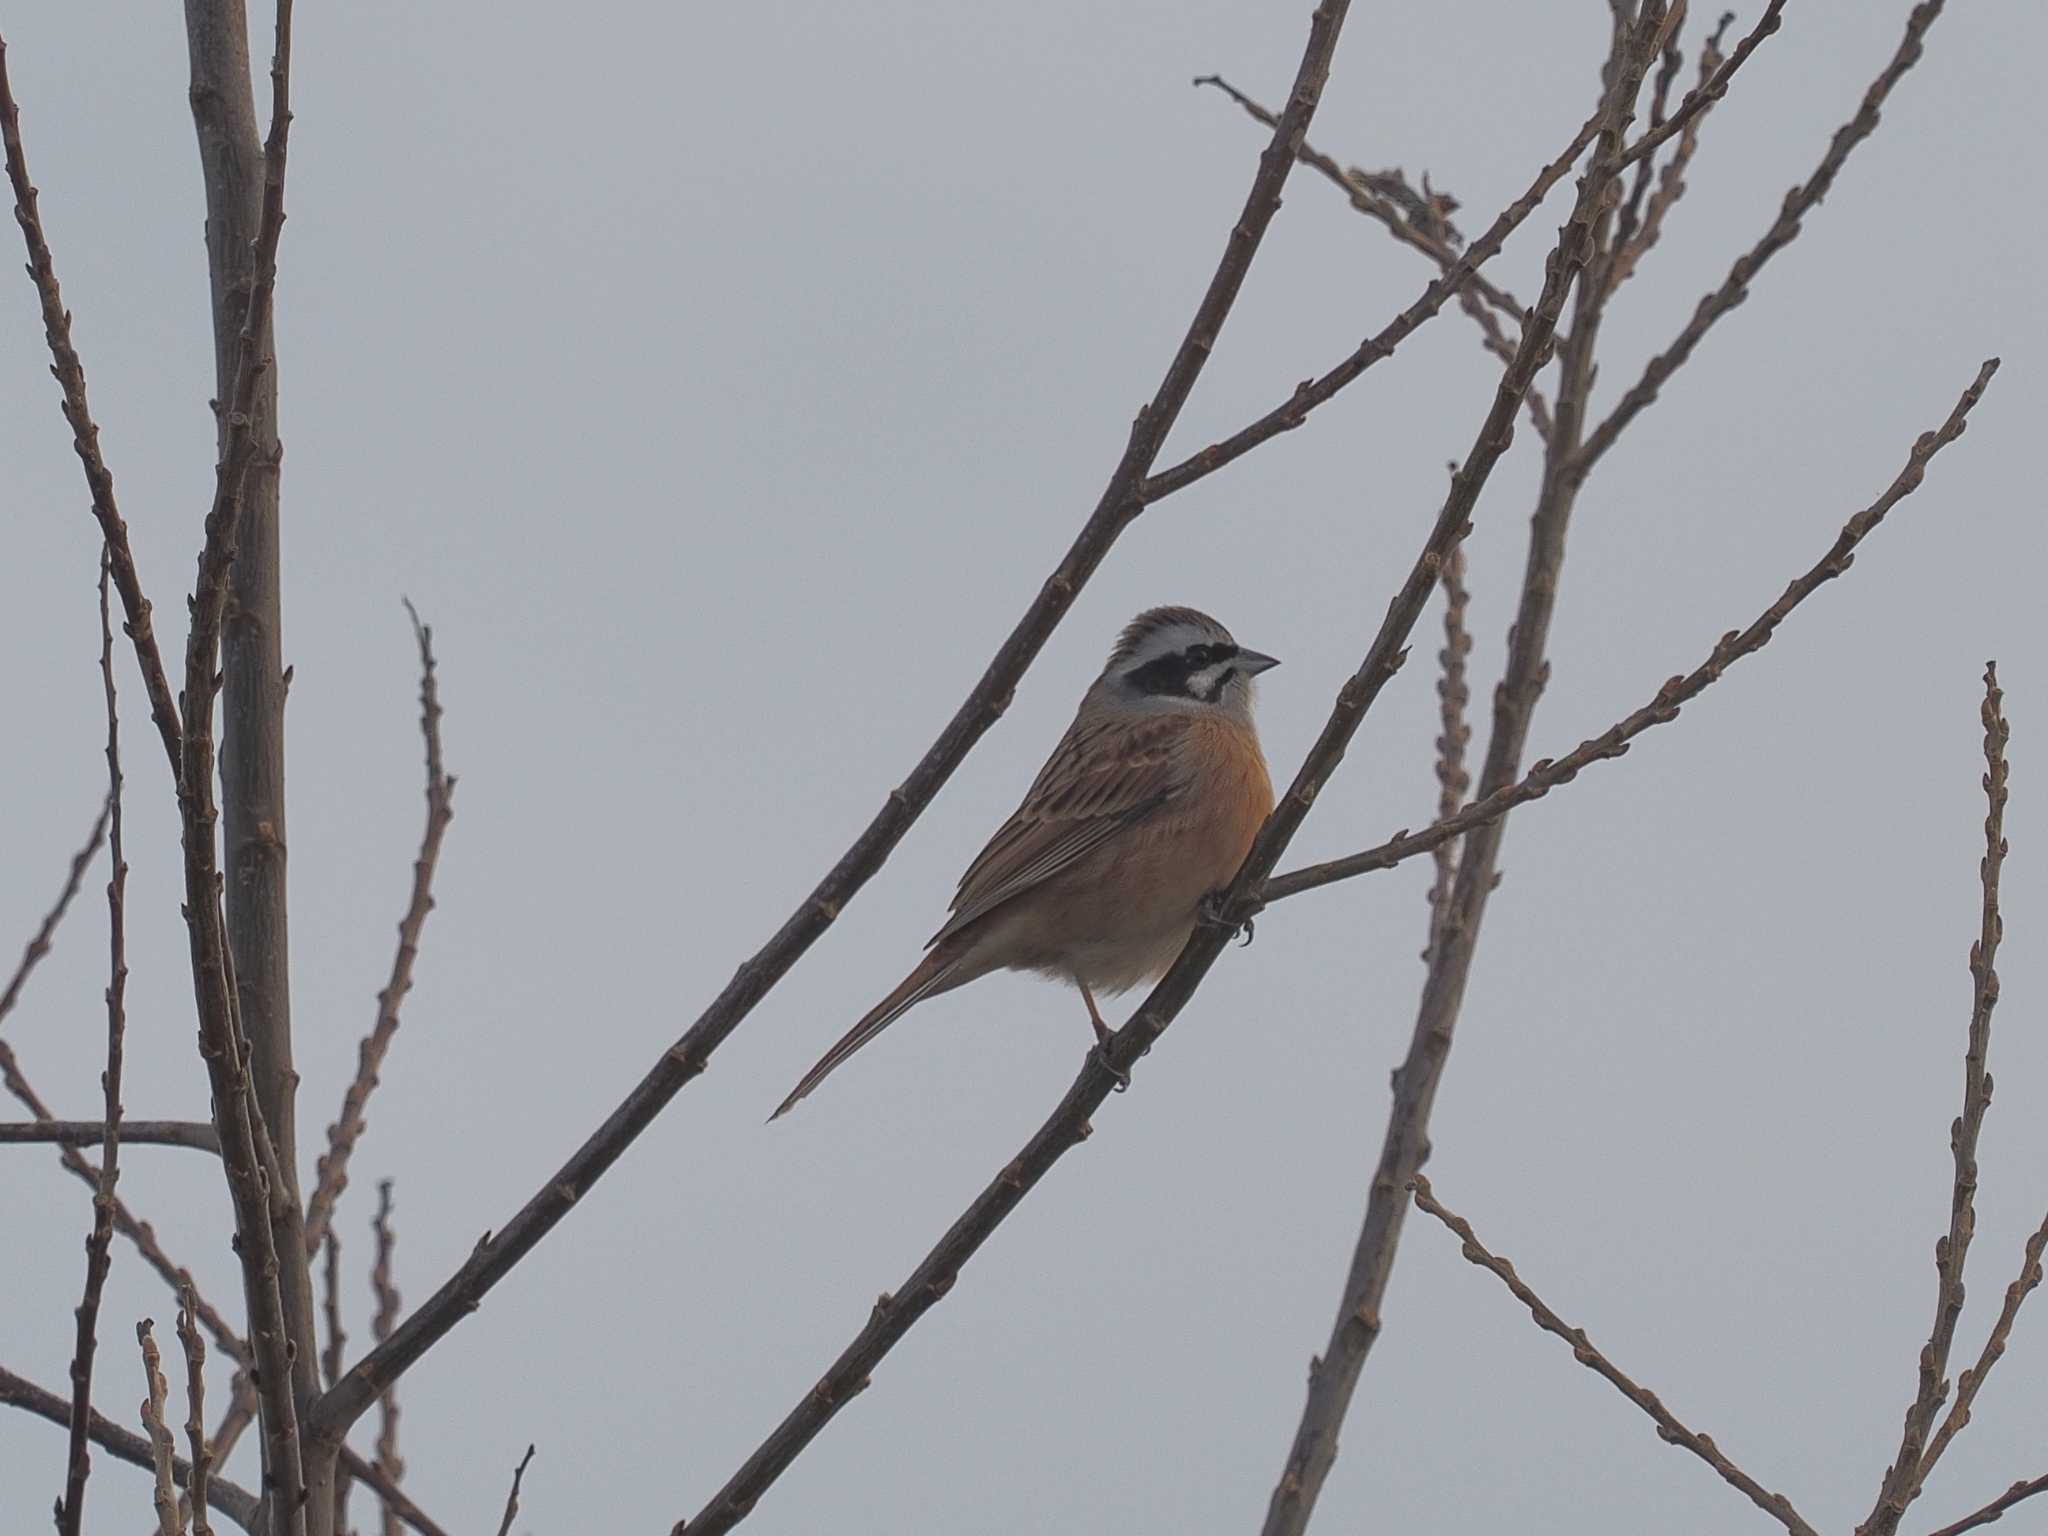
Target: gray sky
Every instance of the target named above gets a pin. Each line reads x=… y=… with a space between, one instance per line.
x=722 y=382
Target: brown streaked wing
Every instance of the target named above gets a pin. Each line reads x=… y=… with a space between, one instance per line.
x=1099 y=780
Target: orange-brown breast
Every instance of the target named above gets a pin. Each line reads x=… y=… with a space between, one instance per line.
x=1231 y=800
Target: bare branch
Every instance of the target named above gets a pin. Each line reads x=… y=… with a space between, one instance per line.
x=1704 y=95
x=237 y=1503
x=1122 y=500
x=163 y=1451
x=85 y=435
x=1972 y=1377
x=138 y=1232
x=1310 y=393
x=1106 y=1067
x=385 y=1286
x=1452 y=695
x=343 y=1134
x=1903 y=1478
x=198 y=1135
x=1799 y=202
x=1997 y=1507
x=1415 y=221
x=333 y=1357
x=195 y=1415
x=46 y=931
x=99 y=1245
x=1669 y=1429
x=512 y=1498
x=1638 y=33
x=1545 y=774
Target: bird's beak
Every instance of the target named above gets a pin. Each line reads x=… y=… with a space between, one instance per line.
x=1252 y=663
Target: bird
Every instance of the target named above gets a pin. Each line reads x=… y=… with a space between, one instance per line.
x=1147 y=806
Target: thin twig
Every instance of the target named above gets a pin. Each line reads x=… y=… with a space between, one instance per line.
x=1669 y=1429
x=197 y=1135
x=195 y=1416
x=1452 y=696
x=99 y=1245
x=138 y=1232
x=1310 y=393
x=1627 y=220
x=85 y=435
x=1123 y=499
x=1799 y=202
x=512 y=1498
x=334 y=1356
x=46 y=931
x=163 y=1449
x=1997 y=1507
x=1430 y=235
x=348 y=1127
x=237 y=1503
x=1387 y=206
x=1971 y=1380
x=1546 y=774
x=1903 y=1478
x=1703 y=96
x=384 y=1284
x=1634 y=240
x=1104 y=1068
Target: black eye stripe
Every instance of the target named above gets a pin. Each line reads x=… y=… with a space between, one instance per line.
x=1174 y=672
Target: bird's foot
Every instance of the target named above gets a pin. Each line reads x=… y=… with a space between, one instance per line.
x=1101 y=1054
x=1213 y=913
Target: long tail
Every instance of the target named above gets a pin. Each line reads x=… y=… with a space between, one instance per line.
x=931 y=972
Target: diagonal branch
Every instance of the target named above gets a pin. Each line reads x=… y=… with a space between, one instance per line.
x=1123 y=499
x=46 y=931
x=1799 y=202
x=1546 y=774
x=237 y=1503
x=895 y=1314
x=1333 y=1377
x=1310 y=393
x=138 y=1232
x=1972 y=1378
x=1903 y=1478
x=512 y=1498
x=1997 y=1507
x=1478 y=296
x=343 y=1134
x=1669 y=1429
x=1707 y=92
x=85 y=435
x=98 y=1246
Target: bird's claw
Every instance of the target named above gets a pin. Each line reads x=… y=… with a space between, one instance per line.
x=1101 y=1054
x=1213 y=914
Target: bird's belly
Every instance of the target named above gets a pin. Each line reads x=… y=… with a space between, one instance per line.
x=1121 y=916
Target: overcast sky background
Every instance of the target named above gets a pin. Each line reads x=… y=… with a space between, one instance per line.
x=722 y=382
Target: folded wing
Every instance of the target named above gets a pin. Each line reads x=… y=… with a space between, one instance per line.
x=1100 y=781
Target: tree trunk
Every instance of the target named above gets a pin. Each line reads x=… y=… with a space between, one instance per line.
x=253 y=694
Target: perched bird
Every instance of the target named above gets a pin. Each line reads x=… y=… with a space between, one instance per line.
x=1149 y=803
